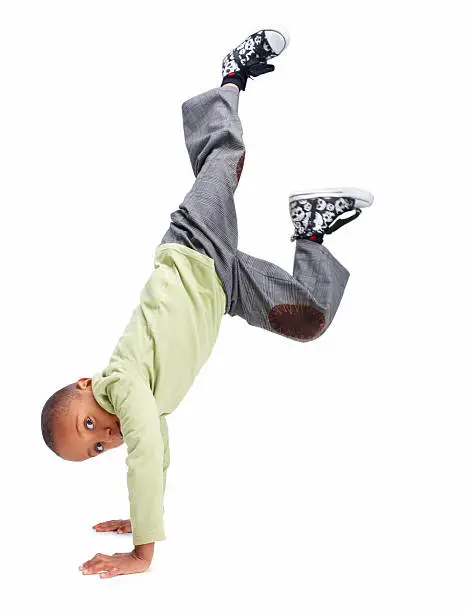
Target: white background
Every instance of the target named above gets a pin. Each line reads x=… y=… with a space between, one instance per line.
x=324 y=476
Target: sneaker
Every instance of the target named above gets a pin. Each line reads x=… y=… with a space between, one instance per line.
x=318 y=212
x=249 y=59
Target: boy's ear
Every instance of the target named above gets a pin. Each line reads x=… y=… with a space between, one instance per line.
x=83 y=383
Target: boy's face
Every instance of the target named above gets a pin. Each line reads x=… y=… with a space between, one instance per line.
x=85 y=429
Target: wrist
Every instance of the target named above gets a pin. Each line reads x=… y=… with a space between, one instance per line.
x=144 y=552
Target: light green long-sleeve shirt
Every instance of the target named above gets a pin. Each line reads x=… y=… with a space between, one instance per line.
x=169 y=337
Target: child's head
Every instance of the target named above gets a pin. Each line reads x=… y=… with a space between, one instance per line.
x=75 y=426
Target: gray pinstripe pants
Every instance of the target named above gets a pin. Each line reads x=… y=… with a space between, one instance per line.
x=299 y=306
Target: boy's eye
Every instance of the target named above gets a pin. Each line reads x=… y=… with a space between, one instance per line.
x=98 y=447
x=89 y=423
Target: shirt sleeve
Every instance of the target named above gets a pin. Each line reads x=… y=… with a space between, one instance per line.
x=146 y=461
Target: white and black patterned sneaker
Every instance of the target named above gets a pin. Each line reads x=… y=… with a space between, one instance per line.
x=318 y=212
x=249 y=59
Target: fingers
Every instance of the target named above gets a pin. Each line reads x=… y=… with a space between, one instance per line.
x=107 y=526
x=110 y=573
x=120 y=526
x=99 y=563
x=95 y=559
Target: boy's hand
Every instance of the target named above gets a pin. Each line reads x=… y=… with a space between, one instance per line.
x=119 y=526
x=115 y=565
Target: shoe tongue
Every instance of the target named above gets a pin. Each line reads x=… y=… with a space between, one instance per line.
x=261 y=68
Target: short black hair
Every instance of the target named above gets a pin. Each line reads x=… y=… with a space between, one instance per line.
x=53 y=408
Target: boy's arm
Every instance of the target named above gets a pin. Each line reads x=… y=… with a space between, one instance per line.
x=139 y=417
x=140 y=424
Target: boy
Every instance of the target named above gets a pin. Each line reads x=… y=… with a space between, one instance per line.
x=199 y=275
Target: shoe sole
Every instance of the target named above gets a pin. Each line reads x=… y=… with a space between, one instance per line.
x=362 y=199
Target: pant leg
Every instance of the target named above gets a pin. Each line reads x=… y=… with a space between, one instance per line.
x=300 y=307
x=322 y=274
x=206 y=219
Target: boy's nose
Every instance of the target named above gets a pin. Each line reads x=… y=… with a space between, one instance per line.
x=112 y=434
